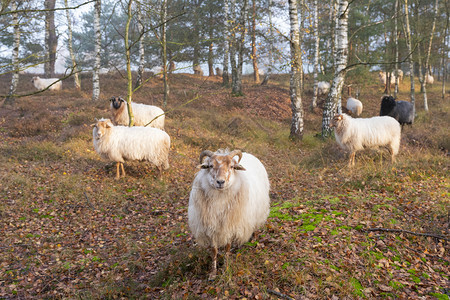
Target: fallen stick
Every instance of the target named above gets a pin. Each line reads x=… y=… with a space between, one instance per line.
x=408 y=232
x=279 y=295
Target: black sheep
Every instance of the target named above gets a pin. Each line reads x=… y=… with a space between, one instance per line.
x=402 y=111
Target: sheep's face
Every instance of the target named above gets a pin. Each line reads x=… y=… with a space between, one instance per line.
x=336 y=120
x=387 y=105
x=221 y=170
x=34 y=79
x=101 y=127
x=116 y=102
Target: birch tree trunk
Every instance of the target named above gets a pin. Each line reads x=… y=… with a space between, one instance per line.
x=226 y=34
x=140 y=25
x=271 y=47
x=396 y=47
x=316 y=54
x=254 y=55
x=15 y=57
x=444 y=57
x=51 y=40
x=295 y=76
x=128 y=59
x=76 y=78
x=164 y=50
x=236 y=79
x=210 y=48
x=409 y=46
x=427 y=57
x=333 y=101
x=98 y=45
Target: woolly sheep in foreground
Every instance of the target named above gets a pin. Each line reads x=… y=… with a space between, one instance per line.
x=122 y=143
x=229 y=200
x=42 y=83
x=402 y=111
x=354 y=105
x=143 y=114
x=357 y=134
x=323 y=87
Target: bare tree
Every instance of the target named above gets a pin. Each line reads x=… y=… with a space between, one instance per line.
x=316 y=54
x=69 y=44
x=409 y=46
x=98 y=45
x=253 y=55
x=396 y=48
x=128 y=59
x=51 y=39
x=15 y=56
x=238 y=45
x=140 y=25
x=295 y=76
x=226 y=33
x=333 y=101
x=164 y=49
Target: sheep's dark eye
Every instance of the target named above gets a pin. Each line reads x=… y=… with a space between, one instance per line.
x=206 y=166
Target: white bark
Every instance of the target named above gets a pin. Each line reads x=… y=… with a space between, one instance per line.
x=427 y=58
x=69 y=44
x=316 y=53
x=164 y=50
x=226 y=34
x=140 y=25
x=409 y=46
x=98 y=45
x=333 y=101
x=15 y=56
x=295 y=76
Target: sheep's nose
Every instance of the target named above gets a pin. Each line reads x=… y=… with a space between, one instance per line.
x=220 y=182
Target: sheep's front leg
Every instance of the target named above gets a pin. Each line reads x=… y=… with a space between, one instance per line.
x=213 y=273
x=123 y=170
x=118 y=170
x=351 y=161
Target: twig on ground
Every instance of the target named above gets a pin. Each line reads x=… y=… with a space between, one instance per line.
x=279 y=295
x=427 y=254
x=408 y=232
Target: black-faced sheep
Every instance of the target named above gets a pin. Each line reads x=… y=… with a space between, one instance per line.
x=53 y=84
x=357 y=134
x=143 y=113
x=229 y=200
x=402 y=111
x=354 y=105
x=122 y=143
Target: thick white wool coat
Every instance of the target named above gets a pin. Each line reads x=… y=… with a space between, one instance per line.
x=429 y=79
x=122 y=143
x=355 y=106
x=357 y=134
x=143 y=114
x=42 y=83
x=221 y=217
x=323 y=87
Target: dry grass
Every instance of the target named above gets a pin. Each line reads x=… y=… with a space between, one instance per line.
x=69 y=230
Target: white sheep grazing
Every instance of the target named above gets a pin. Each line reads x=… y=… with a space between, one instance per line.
x=198 y=70
x=229 y=200
x=356 y=134
x=143 y=113
x=383 y=78
x=53 y=84
x=323 y=87
x=122 y=143
x=429 y=79
x=400 y=75
x=354 y=105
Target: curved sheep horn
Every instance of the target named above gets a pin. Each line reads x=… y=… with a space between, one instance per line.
x=236 y=152
x=205 y=153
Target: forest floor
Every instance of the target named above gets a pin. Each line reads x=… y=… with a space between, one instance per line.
x=69 y=230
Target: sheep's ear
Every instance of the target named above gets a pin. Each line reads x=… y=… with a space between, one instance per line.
x=239 y=167
x=204 y=166
x=93 y=125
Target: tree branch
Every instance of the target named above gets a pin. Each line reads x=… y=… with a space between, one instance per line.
x=440 y=237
